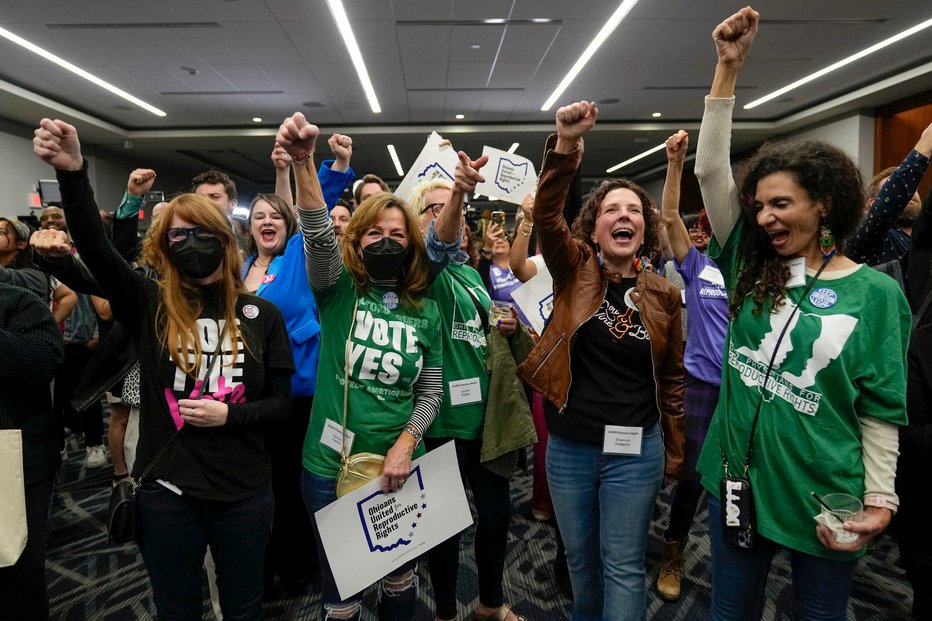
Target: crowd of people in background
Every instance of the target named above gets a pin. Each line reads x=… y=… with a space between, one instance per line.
x=749 y=351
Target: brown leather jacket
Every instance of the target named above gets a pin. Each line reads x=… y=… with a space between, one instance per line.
x=579 y=285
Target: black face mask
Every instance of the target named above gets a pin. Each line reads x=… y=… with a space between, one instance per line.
x=196 y=258
x=384 y=259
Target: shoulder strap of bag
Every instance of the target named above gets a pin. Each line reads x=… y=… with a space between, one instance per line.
x=346 y=363
x=763 y=388
x=210 y=365
x=483 y=314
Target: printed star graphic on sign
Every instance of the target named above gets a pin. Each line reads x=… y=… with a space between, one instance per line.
x=419 y=515
x=423 y=505
x=413 y=524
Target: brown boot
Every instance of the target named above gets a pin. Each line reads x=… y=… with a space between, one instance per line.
x=668 y=582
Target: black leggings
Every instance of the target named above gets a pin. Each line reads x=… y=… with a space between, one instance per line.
x=492 y=498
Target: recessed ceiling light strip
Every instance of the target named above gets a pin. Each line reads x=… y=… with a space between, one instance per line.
x=841 y=63
x=343 y=25
x=396 y=161
x=64 y=64
x=623 y=9
x=660 y=146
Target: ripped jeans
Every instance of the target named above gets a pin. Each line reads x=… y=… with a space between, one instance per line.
x=397 y=591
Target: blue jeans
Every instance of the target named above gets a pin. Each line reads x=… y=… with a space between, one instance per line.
x=603 y=504
x=739 y=577
x=174 y=532
x=394 y=605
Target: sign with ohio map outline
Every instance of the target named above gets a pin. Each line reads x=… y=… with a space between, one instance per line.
x=508 y=176
x=366 y=534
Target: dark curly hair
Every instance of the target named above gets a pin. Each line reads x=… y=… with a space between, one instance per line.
x=584 y=224
x=828 y=175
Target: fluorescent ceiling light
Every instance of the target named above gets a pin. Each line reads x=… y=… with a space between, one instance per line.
x=660 y=146
x=657 y=115
x=64 y=64
x=623 y=9
x=841 y=63
x=339 y=16
x=256 y=119
x=396 y=161
x=460 y=116
x=514 y=147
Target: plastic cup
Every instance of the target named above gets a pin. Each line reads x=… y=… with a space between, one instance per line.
x=499 y=310
x=841 y=508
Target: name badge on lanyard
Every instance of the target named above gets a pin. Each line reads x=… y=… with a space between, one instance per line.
x=622 y=440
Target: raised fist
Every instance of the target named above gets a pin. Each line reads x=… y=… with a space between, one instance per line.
x=50 y=243
x=56 y=143
x=342 y=148
x=140 y=181
x=575 y=120
x=297 y=136
x=280 y=158
x=734 y=36
x=676 y=146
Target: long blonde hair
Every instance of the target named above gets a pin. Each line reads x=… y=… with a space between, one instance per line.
x=180 y=301
x=412 y=282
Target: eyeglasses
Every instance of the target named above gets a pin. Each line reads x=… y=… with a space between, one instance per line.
x=181 y=233
x=436 y=208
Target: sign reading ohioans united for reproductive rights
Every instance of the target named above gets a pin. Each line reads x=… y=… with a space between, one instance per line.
x=366 y=534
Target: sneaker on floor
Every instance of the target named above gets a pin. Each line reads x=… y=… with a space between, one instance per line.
x=96 y=457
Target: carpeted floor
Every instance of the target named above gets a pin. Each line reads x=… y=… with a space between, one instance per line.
x=89 y=579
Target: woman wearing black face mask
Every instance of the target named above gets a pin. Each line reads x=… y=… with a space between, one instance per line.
x=371 y=301
x=214 y=363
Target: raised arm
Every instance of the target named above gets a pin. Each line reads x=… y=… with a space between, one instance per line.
x=57 y=144
x=560 y=163
x=521 y=266
x=449 y=223
x=733 y=39
x=125 y=222
x=335 y=174
x=676 y=230
x=282 y=163
x=298 y=138
x=894 y=196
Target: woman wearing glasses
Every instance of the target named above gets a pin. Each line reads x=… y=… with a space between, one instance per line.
x=204 y=391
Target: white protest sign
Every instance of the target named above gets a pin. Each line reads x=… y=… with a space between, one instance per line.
x=508 y=177
x=434 y=162
x=366 y=534
x=535 y=297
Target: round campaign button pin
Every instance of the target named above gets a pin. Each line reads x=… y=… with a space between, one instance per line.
x=251 y=311
x=823 y=297
x=390 y=300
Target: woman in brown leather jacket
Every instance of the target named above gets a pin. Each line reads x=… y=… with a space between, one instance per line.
x=610 y=365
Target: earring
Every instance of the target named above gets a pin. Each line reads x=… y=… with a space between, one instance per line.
x=826 y=242
x=640 y=263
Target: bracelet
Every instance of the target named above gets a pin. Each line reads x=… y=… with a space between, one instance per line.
x=414 y=432
x=527 y=228
x=485 y=252
x=878 y=500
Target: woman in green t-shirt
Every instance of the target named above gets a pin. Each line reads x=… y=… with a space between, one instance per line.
x=380 y=353
x=813 y=380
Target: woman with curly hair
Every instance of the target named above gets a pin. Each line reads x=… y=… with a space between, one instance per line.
x=813 y=384
x=610 y=366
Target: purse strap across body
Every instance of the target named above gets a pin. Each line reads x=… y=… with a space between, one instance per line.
x=762 y=389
